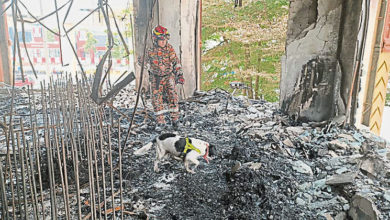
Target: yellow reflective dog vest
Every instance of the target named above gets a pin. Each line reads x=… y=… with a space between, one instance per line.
x=189 y=146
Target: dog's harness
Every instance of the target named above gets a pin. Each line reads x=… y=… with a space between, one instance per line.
x=189 y=146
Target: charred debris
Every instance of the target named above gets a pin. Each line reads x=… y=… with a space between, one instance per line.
x=65 y=156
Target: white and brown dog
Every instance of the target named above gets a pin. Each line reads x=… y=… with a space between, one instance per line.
x=187 y=149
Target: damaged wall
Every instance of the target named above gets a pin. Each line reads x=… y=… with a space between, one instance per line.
x=319 y=61
x=350 y=46
x=140 y=25
x=183 y=22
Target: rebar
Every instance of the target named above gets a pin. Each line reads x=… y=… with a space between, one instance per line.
x=75 y=137
x=29 y=171
x=64 y=144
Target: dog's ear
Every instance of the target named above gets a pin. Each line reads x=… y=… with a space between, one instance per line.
x=212 y=150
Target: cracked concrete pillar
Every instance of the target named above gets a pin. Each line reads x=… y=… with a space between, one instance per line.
x=318 y=66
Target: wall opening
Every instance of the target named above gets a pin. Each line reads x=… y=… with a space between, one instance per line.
x=244 y=44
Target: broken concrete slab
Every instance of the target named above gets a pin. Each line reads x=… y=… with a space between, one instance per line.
x=384 y=153
x=347 y=137
x=327 y=216
x=342 y=170
x=322 y=204
x=386 y=195
x=341 y=179
x=304 y=186
x=319 y=184
x=363 y=208
x=254 y=166
x=359 y=137
x=333 y=154
x=288 y=143
x=368 y=166
x=337 y=144
x=374 y=166
x=300 y=201
x=341 y=216
x=346 y=207
x=295 y=130
x=302 y=167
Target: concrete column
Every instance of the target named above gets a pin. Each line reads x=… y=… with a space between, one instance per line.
x=370 y=59
x=142 y=9
x=321 y=49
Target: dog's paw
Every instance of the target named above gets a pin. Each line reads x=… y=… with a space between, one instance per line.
x=178 y=158
x=190 y=171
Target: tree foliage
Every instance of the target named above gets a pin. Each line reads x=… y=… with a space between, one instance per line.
x=91 y=42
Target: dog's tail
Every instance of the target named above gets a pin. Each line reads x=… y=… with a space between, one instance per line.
x=145 y=148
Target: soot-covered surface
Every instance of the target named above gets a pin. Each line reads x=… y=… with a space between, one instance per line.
x=283 y=166
x=267 y=166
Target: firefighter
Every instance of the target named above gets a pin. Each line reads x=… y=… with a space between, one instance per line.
x=164 y=73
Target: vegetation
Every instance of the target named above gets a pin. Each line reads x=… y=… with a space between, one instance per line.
x=90 y=43
x=250 y=42
x=50 y=36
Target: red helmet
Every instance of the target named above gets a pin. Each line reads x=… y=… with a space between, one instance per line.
x=160 y=33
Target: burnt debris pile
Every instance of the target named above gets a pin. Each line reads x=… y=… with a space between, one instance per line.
x=65 y=156
x=268 y=167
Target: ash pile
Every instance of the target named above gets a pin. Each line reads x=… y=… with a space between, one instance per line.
x=268 y=167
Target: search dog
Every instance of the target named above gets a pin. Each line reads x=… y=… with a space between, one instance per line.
x=181 y=148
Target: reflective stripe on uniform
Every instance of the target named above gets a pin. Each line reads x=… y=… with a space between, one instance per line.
x=173 y=110
x=166 y=111
x=161 y=112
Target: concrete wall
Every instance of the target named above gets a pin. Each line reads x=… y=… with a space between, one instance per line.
x=181 y=18
x=189 y=45
x=351 y=46
x=142 y=14
x=319 y=60
x=169 y=16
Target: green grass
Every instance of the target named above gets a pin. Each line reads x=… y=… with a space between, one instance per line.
x=238 y=58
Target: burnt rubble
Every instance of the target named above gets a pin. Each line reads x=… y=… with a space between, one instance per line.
x=268 y=167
